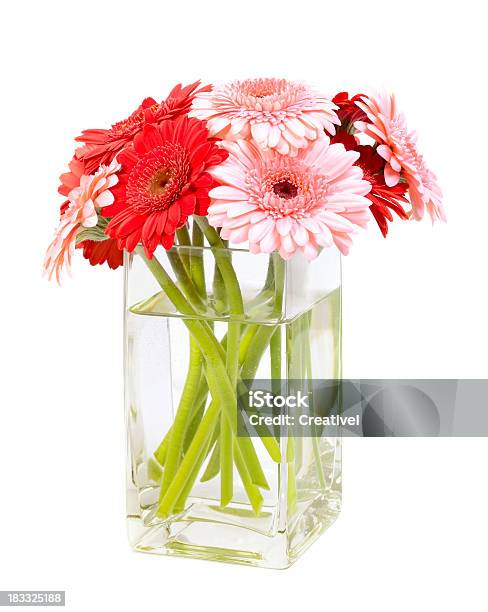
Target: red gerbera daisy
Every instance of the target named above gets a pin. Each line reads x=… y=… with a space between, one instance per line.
x=70 y=180
x=102 y=145
x=348 y=112
x=383 y=198
x=162 y=182
x=99 y=252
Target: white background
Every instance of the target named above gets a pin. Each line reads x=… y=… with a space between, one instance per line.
x=412 y=534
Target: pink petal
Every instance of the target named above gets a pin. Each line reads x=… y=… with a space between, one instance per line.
x=395 y=164
x=270 y=242
x=392 y=177
x=287 y=244
x=258 y=231
x=274 y=136
x=283 y=147
x=217 y=124
x=310 y=251
x=104 y=199
x=260 y=133
x=239 y=235
x=284 y=226
x=384 y=152
x=300 y=234
x=296 y=126
x=240 y=208
x=227 y=193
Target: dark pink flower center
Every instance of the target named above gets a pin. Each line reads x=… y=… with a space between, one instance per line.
x=285 y=189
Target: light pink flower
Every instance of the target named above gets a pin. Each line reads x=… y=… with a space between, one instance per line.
x=277 y=114
x=424 y=191
x=80 y=211
x=398 y=147
x=289 y=204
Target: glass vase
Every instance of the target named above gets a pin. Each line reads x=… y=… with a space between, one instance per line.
x=198 y=322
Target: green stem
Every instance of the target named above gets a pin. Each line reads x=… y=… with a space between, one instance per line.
x=199 y=405
x=213 y=465
x=180 y=504
x=248 y=452
x=191 y=462
x=222 y=378
x=182 y=417
x=220 y=387
x=245 y=445
x=258 y=344
x=184 y=240
x=195 y=416
x=219 y=294
x=184 y=279
x=236 y=307
x=208 y=344
x=275 y=356
x=245 y=343
x=279 y=283
x=275 y=342
x=253 y=493
x=197 y=268
x=256 y=350
x=226 y=430
x=224 y=263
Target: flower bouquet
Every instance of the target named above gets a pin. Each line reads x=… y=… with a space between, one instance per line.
x=229 y=208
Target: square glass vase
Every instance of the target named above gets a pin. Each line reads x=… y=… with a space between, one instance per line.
x=198 y=322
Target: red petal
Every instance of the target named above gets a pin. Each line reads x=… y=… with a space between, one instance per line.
x=162 y=217
x=102 y=252
x=128 y=157
x=149 y=227
x=187 y=204
x=167 y=240
x=174 y=214
x=147 y=102
x=132 y=241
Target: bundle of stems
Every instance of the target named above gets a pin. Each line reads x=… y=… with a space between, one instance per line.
x=216 y=369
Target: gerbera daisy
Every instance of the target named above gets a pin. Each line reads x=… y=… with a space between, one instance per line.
x=101 y=145
x=70 y=180
x=276 y=114
x=163 y=181
x=99 y=252
x=80 y=211
x=289 y=204
x=424 y=191
x=398 y=147
x=384 y=199
x=348 y=111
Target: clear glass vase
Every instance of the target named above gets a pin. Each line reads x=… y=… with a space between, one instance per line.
x=198 y=321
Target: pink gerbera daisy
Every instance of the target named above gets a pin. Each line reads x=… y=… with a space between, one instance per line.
x=289 y=204
x=92 y=193
x=277 y=114
x=398 y=147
